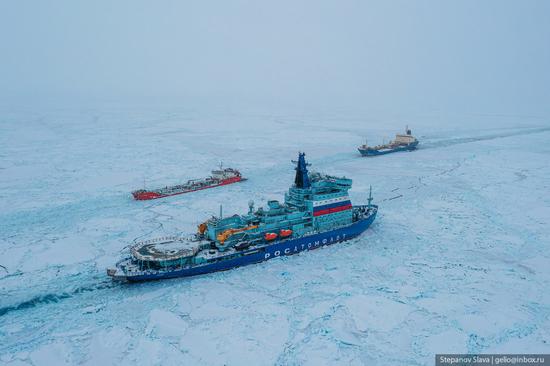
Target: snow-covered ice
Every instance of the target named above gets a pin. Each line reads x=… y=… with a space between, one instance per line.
x=457 y=260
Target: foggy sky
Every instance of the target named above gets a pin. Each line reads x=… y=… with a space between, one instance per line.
x=484 y=56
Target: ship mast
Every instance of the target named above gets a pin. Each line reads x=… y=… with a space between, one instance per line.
x=302 y=179
x=370 y=198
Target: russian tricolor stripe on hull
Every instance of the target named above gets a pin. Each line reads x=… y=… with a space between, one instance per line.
x=330 y=201
x=332 y=208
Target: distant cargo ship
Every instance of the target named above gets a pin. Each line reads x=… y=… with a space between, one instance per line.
x=219 y=177
x=317 y=212
x=406 y=142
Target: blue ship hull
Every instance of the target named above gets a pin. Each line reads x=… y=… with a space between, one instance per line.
x=277 y=249
x=374 y=152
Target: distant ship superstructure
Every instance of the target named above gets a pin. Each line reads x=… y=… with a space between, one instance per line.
x=317 y=211
x=218 y=178
x=405 y=142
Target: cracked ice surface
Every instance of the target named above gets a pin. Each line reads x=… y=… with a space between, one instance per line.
x=457 y=260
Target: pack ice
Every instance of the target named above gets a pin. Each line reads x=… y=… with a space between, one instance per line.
x=457 y=260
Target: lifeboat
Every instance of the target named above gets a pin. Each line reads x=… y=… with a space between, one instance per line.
x=270 y=236
x=285 y=233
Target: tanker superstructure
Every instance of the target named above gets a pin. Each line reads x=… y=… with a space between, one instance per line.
x=316 y=212
x=402 y=142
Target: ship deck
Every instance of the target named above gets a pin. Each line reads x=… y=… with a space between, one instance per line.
x=165 y=249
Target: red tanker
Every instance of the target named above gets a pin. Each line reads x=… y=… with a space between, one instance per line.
x=219 y=178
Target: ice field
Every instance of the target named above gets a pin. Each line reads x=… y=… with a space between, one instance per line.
x=457 y=260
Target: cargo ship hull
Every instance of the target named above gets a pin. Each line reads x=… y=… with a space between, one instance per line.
x=256 y=255
x=375 y=152
x=151 y=195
